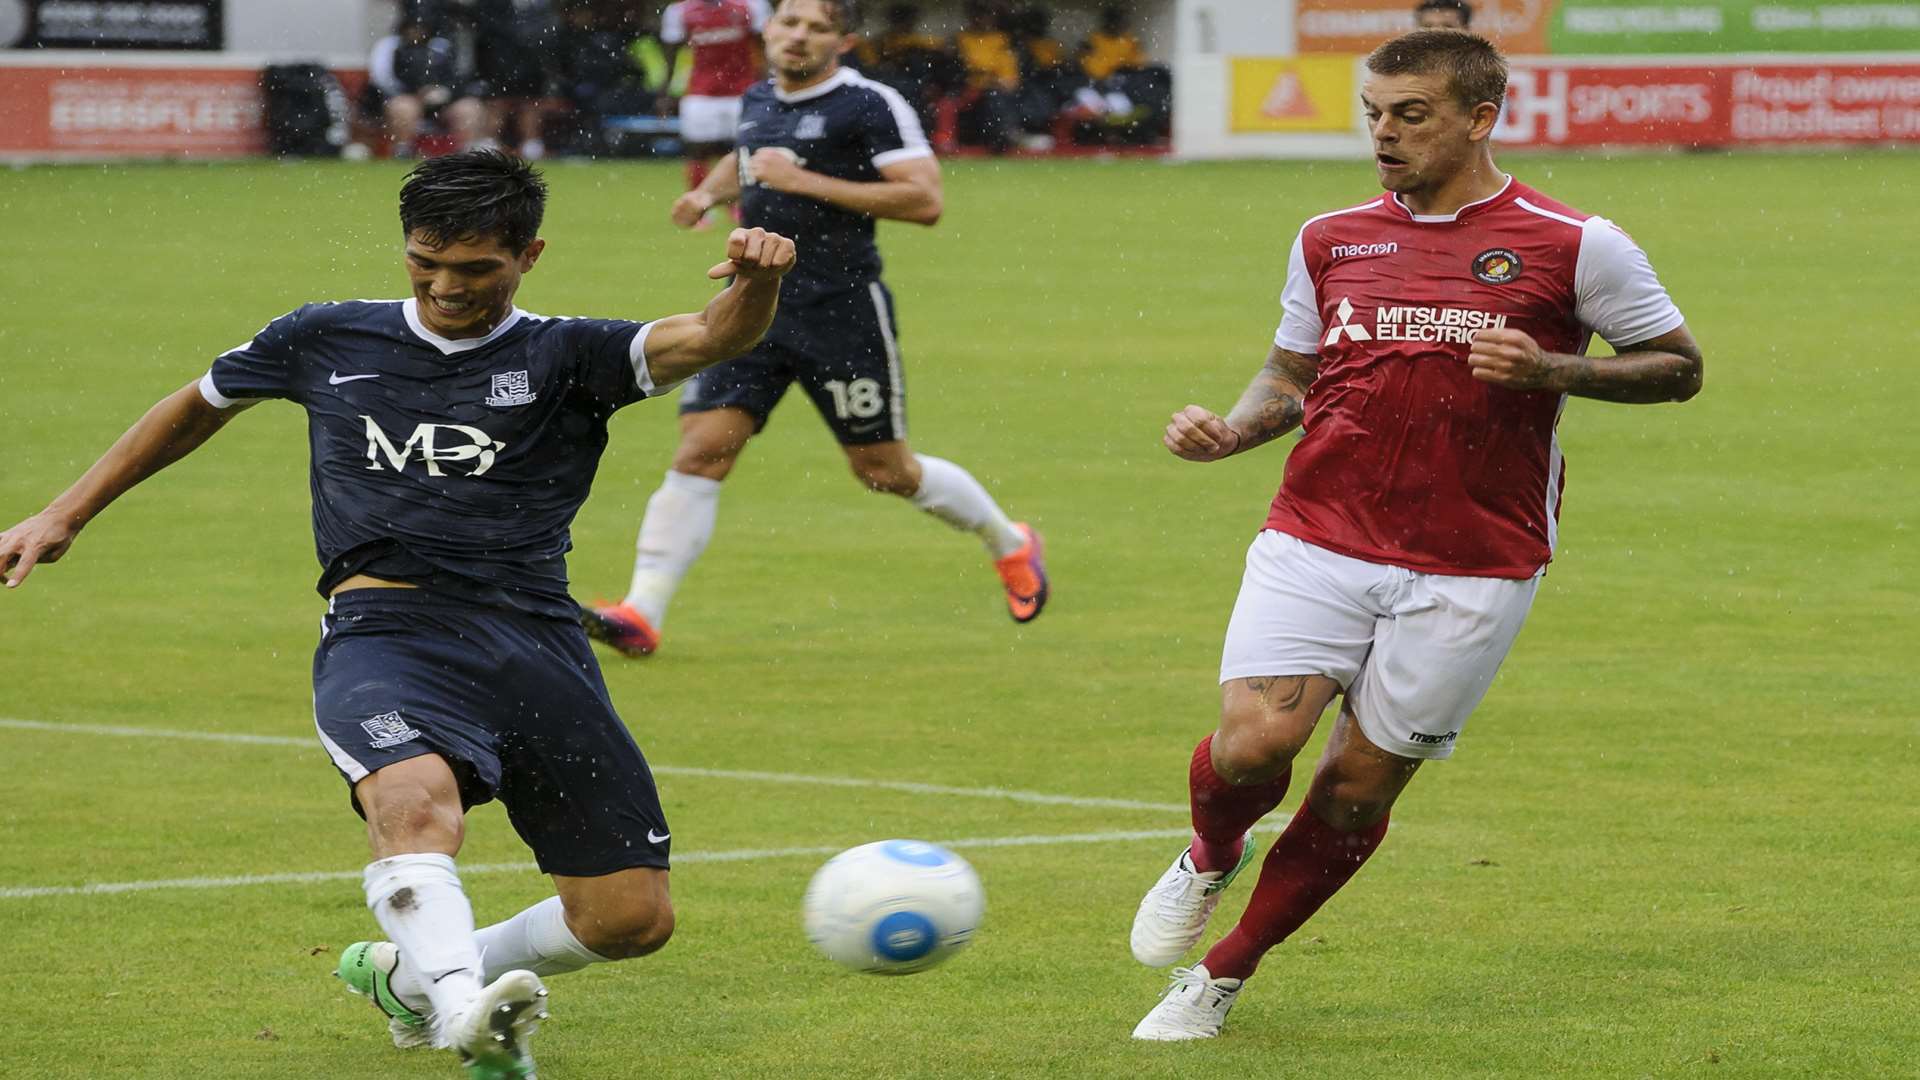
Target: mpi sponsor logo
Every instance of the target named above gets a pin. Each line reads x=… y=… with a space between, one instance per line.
x=1440 y=326
x=435 y=445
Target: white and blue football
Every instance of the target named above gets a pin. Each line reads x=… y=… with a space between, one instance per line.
x=893 y=907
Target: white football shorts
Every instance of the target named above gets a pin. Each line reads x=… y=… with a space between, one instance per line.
x=709 y=119
x=1415 y=652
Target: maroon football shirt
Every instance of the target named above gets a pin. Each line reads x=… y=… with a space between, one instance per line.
x=722 y=33
x=1406 y=458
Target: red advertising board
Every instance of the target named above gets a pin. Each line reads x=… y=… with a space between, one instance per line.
x=148 y=107
x=1725 y=104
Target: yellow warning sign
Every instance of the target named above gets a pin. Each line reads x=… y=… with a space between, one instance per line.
x=1313 y=93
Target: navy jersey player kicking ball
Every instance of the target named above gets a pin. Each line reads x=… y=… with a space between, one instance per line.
x=823 y=152
x=453 y=438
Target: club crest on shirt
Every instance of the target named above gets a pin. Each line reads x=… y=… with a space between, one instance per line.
x=511 y=388
x=811 y=126
x=1497 y=266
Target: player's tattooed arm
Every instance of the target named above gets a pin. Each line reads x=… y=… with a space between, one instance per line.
x=172 y=429
x=1272 y=405
x=1667 y=368
x=680 y=346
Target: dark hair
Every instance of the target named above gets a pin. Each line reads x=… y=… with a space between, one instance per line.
x=844 y=12
x=1458 y=7
x=1475 y=70
x=479 y=193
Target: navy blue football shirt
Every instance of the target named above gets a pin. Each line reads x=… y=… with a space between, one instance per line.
x=455 y=465
x=848 y=127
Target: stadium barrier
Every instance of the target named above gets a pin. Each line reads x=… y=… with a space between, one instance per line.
x=1307 y=106
x=83 y=105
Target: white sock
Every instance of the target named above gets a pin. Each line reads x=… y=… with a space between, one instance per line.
x=418 y=902
x=951 y=494
x=537 y=940
x=678 y=524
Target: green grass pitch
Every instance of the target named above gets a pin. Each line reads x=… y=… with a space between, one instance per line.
x=1678 y=839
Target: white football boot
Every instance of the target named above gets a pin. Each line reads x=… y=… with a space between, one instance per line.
x=1193 y=1007
x=492 y=1032
x=1175 y=911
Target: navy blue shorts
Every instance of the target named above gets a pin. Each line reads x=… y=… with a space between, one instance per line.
x=843 y=353
x=513 y=701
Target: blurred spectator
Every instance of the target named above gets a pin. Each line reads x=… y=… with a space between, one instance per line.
x=1442 y=15
x=727 y=59
x=1047 y=79
x=599 y=74
x=919 y=65
x=411 y=77
x=1129 y=98
x=987 y=109
x=516 y=56
x=1112 y=48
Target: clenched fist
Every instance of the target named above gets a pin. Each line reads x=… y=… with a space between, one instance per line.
x=1197 y=434
x=755 y=254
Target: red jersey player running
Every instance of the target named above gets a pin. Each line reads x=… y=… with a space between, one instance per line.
x=1428 y=341
x=725 y=35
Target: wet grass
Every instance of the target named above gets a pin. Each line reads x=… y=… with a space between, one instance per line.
x=1677 y=840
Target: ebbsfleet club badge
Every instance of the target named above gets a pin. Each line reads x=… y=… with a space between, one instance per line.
x=1496 y=266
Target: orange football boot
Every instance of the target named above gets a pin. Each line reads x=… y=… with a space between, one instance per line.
x=1025 y=575
x=620 y=626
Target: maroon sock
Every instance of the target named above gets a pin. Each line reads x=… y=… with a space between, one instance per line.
x=1223 y=812
x=696 y=172
x=1307 y=865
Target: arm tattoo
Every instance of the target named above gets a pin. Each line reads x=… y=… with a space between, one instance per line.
x=1275 y=401
x=1664 y=369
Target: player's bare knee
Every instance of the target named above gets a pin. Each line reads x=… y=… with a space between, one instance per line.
x=1351 y=801
x=630 y=930
x=411 y=819
x=1258 y=734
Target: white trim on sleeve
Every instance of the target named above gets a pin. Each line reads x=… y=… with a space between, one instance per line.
x=213 y=395
x=759 y=12
x=637 y=356
x=1300 y=322
x=673 y=25
x=1616 y=292
x=913 y=138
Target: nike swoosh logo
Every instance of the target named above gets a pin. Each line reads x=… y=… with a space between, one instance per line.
x=335 y=379
x=866 y=429
x=657 y=838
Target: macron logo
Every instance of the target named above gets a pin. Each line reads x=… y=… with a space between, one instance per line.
x=1347 y=328
x=1361 y=251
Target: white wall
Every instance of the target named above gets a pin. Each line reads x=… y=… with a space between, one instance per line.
x=1211 y=33
x=336 y=31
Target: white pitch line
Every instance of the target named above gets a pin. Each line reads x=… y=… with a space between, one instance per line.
x=1040 y=798
x=29 y=892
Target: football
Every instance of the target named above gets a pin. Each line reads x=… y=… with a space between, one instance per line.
x=893 y=907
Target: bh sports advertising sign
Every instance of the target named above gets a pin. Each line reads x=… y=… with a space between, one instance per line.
x=1568 y=103
x=1624 y=27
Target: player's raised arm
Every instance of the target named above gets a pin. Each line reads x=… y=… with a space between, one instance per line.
x=907 y=190
x=1271 y=406
x=171 y=430
x=679 y=346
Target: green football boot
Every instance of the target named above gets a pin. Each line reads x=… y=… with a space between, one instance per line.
x=366 y=967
